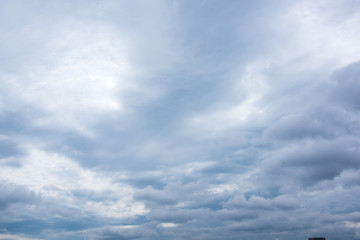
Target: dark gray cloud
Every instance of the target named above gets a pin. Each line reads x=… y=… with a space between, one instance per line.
x=14 y=194
x=320 y=142
x=311 y=162
x=347 y=84
x=157 y=196
x=10 y=153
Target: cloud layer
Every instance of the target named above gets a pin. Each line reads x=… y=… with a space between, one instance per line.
x=179 y=120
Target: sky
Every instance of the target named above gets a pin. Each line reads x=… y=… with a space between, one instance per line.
x=182 y=119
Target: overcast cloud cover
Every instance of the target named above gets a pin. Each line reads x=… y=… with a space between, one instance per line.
x=180 y=119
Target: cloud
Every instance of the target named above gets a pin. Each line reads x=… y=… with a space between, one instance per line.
x=179 y=120
x=67 y=90
x=151 y=194
x=16 y=237
x=305 y=162
x=9 y=152
x=13 y=194
x=347 y=84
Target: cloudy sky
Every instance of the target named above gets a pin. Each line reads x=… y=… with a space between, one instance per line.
x=180 y=119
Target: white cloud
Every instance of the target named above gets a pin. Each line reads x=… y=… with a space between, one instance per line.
x=322 y=34
x=251 y=86
x=84 y=75
x=168 y=225
x=58 y=177
x=16 y=237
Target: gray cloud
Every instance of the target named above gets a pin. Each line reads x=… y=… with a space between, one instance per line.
x=14 y=194
x=346 y=91
x=157 y=196
x=315 y=161
x=179 y=120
